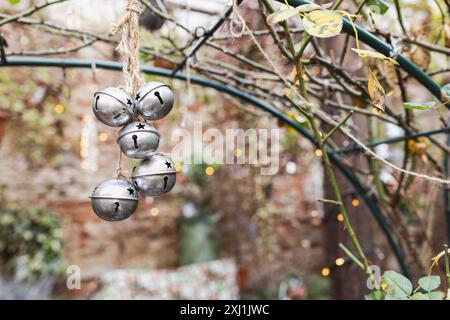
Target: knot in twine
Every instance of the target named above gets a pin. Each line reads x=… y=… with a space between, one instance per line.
x=128 y=47
x=234 y=17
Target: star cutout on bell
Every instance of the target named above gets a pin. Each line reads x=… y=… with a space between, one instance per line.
x=129 y=102
x=140 y=126
x=138 y=96
x=131 y=191
x=168 y=164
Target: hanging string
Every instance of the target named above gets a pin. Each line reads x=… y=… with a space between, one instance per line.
x=185 y=113
x=128 y=47
x=234 y=17
x=119 y=173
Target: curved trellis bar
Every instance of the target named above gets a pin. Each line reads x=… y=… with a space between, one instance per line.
x=359 y=187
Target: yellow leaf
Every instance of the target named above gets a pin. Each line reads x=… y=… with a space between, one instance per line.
x=287 y=12
x=323 y=23
x=363 y=54
x=418 y=147
x=281 y=15
x=376 y=91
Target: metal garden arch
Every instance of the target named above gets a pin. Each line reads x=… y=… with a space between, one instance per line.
x=364 y=37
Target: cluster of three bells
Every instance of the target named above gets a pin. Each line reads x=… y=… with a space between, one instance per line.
x=155 y=175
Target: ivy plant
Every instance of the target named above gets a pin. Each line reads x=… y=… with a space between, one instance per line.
x=31 y=245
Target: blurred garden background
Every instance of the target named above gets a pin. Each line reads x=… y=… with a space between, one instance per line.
x=224 y=231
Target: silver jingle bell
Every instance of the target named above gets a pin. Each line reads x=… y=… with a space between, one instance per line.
x=154 y=176
x=138 y=140
x=154 y=100
x=113 y=107
x=114 y=200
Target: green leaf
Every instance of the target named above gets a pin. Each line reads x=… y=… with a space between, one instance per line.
x=14 y=2
x=435 y=295
x=378 y=6
x=419 y=106
x=430 y=283
x=397 y=285
x=419 y=296
x=445 y=92
x=375 y=295
x=363 y=54
x=323 y=23
x=391 y=297
x=281 y=15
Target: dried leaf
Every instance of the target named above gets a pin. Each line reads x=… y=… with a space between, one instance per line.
x=376 y=91
x=323 y=23
x=389 y=72
x=364 y=54
x=420 y=57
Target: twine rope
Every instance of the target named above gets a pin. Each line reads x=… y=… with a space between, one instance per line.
x=128 y=47
x=185 y=106
x=119 y=173
x=235 y=16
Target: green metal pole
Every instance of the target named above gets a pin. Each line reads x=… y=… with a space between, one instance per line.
x=359 y=187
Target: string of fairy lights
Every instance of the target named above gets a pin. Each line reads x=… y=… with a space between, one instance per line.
x=344 y=261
